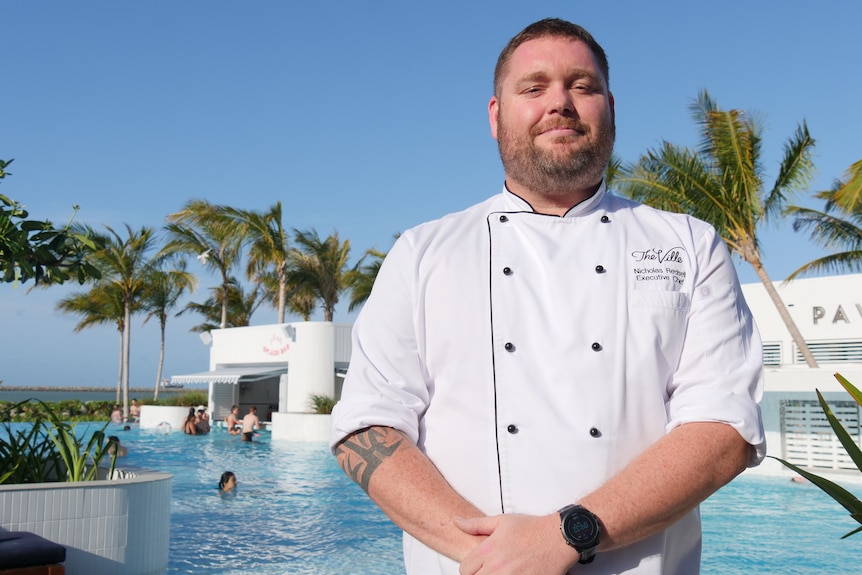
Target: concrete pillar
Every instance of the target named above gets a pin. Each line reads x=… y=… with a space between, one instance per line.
x=312 y=365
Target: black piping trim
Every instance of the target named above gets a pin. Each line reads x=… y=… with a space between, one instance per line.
x=551 y=215
x=493 y=357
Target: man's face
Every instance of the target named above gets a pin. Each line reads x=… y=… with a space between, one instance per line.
x=553 y=118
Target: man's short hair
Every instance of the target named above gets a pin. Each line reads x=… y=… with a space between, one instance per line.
x=549 y=27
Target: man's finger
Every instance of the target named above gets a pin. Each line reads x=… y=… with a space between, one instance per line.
x=476 y=525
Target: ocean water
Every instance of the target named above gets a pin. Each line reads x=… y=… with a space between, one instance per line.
x=295 y=512
x=60 y=394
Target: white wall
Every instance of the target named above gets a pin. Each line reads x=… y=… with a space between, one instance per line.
x=823 y=308
x=152 y=416
x=109 y=527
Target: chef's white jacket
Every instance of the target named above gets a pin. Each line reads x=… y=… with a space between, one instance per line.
x=532 y=357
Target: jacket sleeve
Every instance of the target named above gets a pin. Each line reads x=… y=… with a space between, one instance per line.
x=385 y=384
x=720 y=372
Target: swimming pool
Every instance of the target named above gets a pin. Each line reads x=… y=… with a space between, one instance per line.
x=295 y=512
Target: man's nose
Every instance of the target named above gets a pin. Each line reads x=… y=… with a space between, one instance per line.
x=560 y=101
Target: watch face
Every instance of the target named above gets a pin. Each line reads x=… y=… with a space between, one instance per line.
x=581 y=529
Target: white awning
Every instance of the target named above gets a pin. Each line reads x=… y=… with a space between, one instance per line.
x=230 y=375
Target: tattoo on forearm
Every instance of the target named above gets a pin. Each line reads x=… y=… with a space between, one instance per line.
x=362 y=453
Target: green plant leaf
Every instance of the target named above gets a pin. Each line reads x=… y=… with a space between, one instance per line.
x=846 y=499
x=848 y=442
x=851 y=389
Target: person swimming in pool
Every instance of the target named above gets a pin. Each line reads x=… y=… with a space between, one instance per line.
x=228 y=482
x=114 y=446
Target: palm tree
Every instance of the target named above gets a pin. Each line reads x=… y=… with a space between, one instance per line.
x=361 y=278
x=721 y=182
x=164 y=289
x=849 y=193
x=126 y=265
x=202 y=230
x=612 y=172
x=838 y=225
x=241 y=305
x=320 y=266
x=299 y=300
x=267 y=247
x=103 y=303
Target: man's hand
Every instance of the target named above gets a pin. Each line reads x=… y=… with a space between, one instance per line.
x=517 y=545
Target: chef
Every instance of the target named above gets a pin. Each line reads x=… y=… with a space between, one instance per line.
x=555 y=377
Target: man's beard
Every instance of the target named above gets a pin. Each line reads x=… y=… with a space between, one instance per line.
x=551 y=172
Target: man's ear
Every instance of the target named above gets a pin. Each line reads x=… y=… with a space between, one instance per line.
x=493 y=115
x=613 y=109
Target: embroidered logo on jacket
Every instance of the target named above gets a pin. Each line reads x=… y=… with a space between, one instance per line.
x=660 y=265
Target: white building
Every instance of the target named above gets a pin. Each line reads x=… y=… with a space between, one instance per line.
x=278 y=367
x=828 y=313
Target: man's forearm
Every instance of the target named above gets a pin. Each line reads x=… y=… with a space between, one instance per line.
x=650 y=494
x=667 y=481
x=408 y=488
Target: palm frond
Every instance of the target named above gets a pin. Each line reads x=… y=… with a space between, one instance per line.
x=795 y=172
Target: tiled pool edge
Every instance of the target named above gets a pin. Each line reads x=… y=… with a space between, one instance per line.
x=119 y=526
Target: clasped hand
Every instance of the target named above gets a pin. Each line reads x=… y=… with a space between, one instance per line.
x=517 y=545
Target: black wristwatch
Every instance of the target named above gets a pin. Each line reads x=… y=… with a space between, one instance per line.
x=581 y=530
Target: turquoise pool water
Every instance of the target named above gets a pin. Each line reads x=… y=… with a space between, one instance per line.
x=296 y=513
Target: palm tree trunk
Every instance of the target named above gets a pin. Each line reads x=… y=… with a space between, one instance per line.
x=119 y=369
x=224 y=292
x=161 y=362
x=785 y=315
x=126 y=356
x=282 y=296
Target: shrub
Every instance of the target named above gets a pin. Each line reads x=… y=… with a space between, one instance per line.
x=321 y=403
x=49 y=449
x=186 y=398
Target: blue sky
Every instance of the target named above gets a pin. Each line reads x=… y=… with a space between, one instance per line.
x=361 y=117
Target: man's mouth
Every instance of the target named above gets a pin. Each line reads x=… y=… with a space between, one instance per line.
x=567 y=129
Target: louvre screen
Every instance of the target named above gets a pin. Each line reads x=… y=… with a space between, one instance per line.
x=772 y=353
x=834 y=351
x=809 y=441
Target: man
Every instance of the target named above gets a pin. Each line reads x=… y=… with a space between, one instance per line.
x=202 y=421
x=134 y=410
x=555 y=376
x=249 y=423
x=231 y=421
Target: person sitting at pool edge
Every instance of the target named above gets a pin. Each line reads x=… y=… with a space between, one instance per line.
x=117 y=415
x=189 y=424
x=249 y=423
x=232 y=422
x=227 y=482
